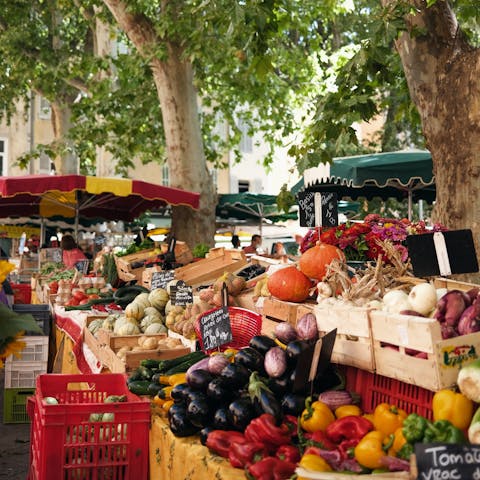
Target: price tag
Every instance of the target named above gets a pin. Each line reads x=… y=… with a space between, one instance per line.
x=215 y=328
x=449 y=462
x=181 y=294
x=161 y=279
x=83 y=266
x=317 y=209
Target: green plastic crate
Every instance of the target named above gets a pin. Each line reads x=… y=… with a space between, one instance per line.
x=15 y=404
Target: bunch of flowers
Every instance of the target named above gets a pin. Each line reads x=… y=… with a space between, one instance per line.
x=359 y=241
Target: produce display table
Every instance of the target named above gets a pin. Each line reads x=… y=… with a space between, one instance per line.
x=73 y=355
x=173 y=458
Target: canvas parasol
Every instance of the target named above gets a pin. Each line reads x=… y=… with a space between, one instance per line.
x=79 y=196
x=402 y=174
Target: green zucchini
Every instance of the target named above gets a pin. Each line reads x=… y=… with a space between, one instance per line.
x=145 y=373
x=135 y=376
x=125 y=295
x=139 y=387
x=181 y=368
x=149 y=363
x=154 y=388
x=192 y=358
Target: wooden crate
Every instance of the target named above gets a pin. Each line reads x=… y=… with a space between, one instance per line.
x=353 y=345
x=311 y=475
x=275 y=311
x=449 y=284
x=207 y=270
x=125 y=265
x=183 y=254
x=394 y=333
x=108 y=353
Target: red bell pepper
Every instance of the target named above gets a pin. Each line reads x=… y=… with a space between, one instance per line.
x=243 y=454
x=346 y=447
x=271 y=468
x=220 y=441
x=289 y=453
x=347 y=428
x=263 y=429
x=319 y=439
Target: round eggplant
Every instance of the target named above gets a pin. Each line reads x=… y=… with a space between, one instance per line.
x=236 y=376
x=179 y=392
x=218 y=390
x=262 y=343
x=241 y=413
x=295 y=348
x=251 y=359
x=195 y=396
x=198 y=412
x=199 y=379
x=221 y=419
x=204 y=434
x=293 y=404
x=180 y=425
x=280 y=385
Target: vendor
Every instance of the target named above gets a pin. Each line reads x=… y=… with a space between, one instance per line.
x=71 y=254
x=255 y=244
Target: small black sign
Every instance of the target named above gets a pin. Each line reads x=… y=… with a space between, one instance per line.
x=317 y=209
x=160 y=279
x=442 y=253
x=181 y=294
x=215 y=328
x=321 y=353
x=452 y=461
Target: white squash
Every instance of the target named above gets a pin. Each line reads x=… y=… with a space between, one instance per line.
x=148 y=320
x=152 y=311
x=158 y=298
x=134 y=310
x=142 y=299
x=120 y=321
x=128 y=329
x=155 y=328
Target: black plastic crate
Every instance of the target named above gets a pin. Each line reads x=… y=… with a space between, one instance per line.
x=41 y=313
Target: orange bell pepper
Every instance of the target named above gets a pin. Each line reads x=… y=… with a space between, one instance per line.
x=387 y=418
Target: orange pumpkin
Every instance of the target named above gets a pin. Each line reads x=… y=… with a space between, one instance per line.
x=313 y=263
x=289 y=284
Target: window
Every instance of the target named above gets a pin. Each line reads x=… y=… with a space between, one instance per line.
x=44 y=164
x=44 y=109
x=3 y=156
x=165 y=175
x=243 y=186
x=246 y=140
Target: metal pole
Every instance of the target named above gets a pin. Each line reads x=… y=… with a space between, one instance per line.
x=410 y=209
x=420 y=210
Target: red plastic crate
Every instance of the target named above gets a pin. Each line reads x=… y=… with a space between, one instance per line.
x=22 y=293
x=65 y=444
x=375 y=389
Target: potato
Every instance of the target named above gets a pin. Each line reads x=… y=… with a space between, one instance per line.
x=150 y=343
x=141 y=340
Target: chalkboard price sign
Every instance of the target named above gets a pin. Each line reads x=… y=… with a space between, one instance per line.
x=447 y=462
x=215 y=328
x=160 y=279
x=181 y=294
x=318 y=209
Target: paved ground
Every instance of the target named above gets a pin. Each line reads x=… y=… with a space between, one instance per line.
x=14 y=445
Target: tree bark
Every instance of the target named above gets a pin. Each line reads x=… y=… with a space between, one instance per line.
x=443 y=75
x=61 y=124
x=186 y=160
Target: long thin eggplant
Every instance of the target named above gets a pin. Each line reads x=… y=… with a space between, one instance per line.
x=259 y=392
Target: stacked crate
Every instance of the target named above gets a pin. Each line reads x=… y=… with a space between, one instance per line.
x=21 y=373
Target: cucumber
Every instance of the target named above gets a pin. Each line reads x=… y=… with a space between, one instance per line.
x=192 y=358
x=139 y=387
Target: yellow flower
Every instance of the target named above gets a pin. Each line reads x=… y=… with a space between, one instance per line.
x=5 y=268
x=11 y=346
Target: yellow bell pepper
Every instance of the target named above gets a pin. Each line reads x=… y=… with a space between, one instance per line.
x=316 y=416
x=395 y=442
x=454 y=407
x=315 y=463
x=368 y=416
x=348 y=410
x=387 y=418
x=166 y=406
x=369 y=450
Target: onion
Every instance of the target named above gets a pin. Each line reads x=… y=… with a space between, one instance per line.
x=423 y=298
x=216 y=363
x=307 y=327
x=275 y=362
x=285 y=332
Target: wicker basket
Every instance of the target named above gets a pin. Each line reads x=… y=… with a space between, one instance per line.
x=244 y=323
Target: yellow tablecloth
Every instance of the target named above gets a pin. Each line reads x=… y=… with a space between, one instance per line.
x=173 y=458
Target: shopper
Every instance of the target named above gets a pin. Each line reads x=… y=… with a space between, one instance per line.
x=255 y=244
x=71 y=254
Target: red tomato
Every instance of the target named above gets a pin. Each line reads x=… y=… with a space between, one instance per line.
x=93 y=296
x=83 y=301
x=79 y=294
x=73 y=302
